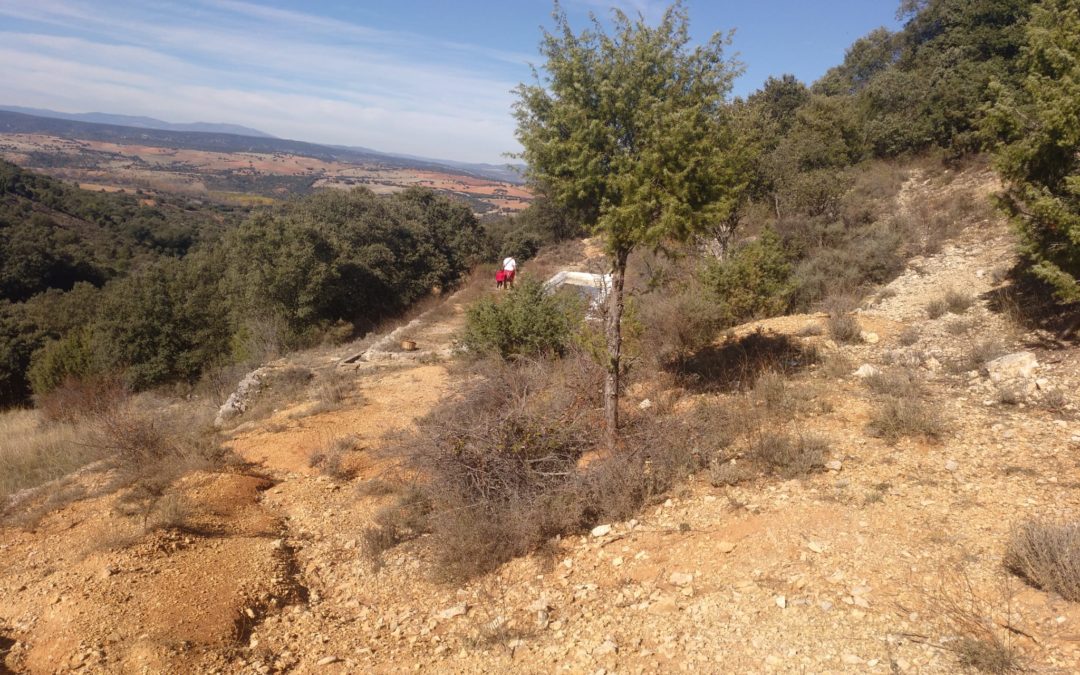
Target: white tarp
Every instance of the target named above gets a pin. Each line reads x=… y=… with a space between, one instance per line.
x=592 y=286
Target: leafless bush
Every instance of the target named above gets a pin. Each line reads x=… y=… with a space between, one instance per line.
x=331 y=391
x=148 y=453
x=331 y=459
x=1047 y=555
x=844 y=327
x=404 y=519
x=835 y=366
x=895 y=418
x=78 y=399
x=980 y=353
x=980 y=627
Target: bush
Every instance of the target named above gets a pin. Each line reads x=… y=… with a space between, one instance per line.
x=503 y=468
x=1047 y=555
x=754 y=282
x=935 y=309
x=75 y=400
x=330 y=460
x=898 y=417
x=525 y=321
x=897 y=383
x=908 y=336
x=958 y=302
x=786 y=455
x=71 y=357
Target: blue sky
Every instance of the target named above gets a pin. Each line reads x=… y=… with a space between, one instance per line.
x=410 y=76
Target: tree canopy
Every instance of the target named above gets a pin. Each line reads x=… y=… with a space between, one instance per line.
x=631 y=130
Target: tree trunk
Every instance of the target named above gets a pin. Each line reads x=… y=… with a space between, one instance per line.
x=613 y=336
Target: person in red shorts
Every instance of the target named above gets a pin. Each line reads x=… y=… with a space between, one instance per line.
x=509 y=266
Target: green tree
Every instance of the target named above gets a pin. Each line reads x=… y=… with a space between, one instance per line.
x=627 y=130
x=1040 y=158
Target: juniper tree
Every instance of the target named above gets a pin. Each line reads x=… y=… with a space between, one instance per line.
x=1041 y=157
x=627 y=127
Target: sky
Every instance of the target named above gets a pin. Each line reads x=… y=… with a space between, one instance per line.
x=417 y=77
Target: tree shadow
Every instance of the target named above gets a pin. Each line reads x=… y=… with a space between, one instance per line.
x=1029 y=302
x=737 y=362
x=6 y=643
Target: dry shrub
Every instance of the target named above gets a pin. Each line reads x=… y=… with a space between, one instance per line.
x=504 y=467
x=987 y=656
x=896 y=418
x=908 y=336
x=331 y=391
x=958 y=302
x=1047 y=555
x=779 y=397
x=148 y=452
x=980 y=353
x=788 y=455
x=844 y=327
x=404 y=519
x=959 y=327
x=980 y=628
x=77 y=399
x=936 y=308
x=330 y=460
x=835 y=366
x=895 y=382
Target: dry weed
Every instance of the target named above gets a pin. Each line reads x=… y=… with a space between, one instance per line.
x=896 y=418
x=34 y=452
x=1047 y=555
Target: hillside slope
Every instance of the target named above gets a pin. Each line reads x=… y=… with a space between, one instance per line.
x=888 y=561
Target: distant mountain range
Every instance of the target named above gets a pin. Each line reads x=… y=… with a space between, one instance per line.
x=139 y=122
x=221 y=138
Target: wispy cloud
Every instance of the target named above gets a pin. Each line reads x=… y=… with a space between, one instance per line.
x=291 y=73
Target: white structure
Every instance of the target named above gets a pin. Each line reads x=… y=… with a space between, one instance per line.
x=592 y=286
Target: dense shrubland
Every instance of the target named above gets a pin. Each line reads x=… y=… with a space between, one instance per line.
x=114 y=300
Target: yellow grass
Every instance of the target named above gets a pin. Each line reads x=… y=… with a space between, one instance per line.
x=33 y=452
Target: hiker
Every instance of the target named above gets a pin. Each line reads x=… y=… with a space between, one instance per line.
x=509 y=266
x=500 y=279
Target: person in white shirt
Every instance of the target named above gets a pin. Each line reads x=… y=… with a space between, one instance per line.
x=509 y=265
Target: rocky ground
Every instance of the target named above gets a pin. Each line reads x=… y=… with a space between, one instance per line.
x=883 y=563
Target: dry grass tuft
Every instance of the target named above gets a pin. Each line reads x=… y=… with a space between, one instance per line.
x=331 y=460
x=896 y=418
x=1047 y=555
x=937 y=308
x=895 y=382
x=908 y=336
x=786 y=455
